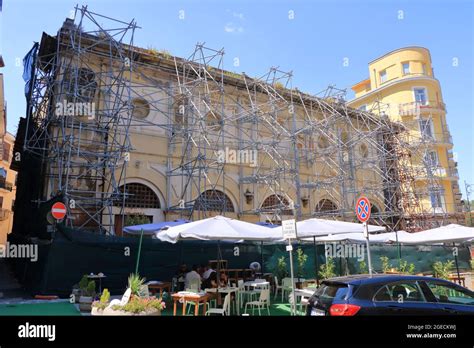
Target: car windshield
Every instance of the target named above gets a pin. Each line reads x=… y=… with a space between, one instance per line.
x=328 y=292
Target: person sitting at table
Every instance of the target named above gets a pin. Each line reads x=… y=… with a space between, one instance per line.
x=224 y=279
x=207 y=272
x=192 y=277
x=180 y=276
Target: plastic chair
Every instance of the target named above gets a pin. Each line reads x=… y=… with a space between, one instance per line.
x=277 y=287
x=225 y=310
x=263 y=301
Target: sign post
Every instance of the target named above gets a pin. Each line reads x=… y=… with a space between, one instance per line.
x=289 y=232
x=363 y=214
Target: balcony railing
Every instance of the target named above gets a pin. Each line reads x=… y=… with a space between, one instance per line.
x=417 y=108
x=6 y=185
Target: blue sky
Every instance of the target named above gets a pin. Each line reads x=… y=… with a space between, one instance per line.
x=313 y=44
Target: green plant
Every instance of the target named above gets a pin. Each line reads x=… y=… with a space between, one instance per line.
x=442 y=270
x=327 y=270
x=279 y=85
x=87 y=286
x=362 y=267
x=406 y=268
x=138 y=305
x=103 y=301
x=301 y=258
x=136 y=219
x=386 y=266
x=281 y=270
x=135 y=283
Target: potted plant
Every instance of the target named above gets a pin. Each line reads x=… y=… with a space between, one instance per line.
x=301 y=259
x=87 y=293
x=442 y=270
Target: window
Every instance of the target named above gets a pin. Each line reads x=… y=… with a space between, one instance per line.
x=420 y=95
x=214 y=200
x=140 y=108
x=326 y=205
x=426 y=128
x=436 y=199
x=277 y=202
x=406 y=68
x=383 y=76
x=431 y=159
x=400 y=292
x=138 y=196
x=447 y=293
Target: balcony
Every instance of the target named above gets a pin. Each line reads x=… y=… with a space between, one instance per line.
x=6 y=185
x=438 y=138
x=417 y=108
x=4 y=214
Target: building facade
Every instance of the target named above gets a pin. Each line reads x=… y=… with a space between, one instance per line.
x=7 y=176
x=402 y=85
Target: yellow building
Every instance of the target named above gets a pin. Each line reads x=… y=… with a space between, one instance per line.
x=402 y=85
x=7 y=176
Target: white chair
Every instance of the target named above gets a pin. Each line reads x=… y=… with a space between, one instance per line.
x=193 y=286
x=277 y=287
x=286 y=287
x=263 y=301
x=225 y=310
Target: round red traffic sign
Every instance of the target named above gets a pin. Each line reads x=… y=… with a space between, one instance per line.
x=363 y=209
x=58 y=210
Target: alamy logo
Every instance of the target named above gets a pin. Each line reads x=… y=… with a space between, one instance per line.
x=75 y=109
x=21 y=251
x=345 y=250
x=232 y=156
x=37 y=331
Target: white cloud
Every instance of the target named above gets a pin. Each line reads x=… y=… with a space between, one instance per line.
x=238 y=15
x=233 y=28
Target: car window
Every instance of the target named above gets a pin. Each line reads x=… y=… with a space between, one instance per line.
x=327 y=293
x=400 y=292
x=447 y=293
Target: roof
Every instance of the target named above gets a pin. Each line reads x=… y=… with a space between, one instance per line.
x=402 y=49
x=376 y=278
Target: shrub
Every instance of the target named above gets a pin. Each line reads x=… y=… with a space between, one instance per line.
x=362 y=267
x=281 y=271
x=406 y=268
x=135 y=283
x=301 y=258
x=328 y=269
x=386 y=266
x=443 y=270
x=103 y=301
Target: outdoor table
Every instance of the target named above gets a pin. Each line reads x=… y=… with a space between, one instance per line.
x=228 y=290
x=255 y=284
x=186 y=296
x=155 y=286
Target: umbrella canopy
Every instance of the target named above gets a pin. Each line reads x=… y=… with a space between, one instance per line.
x=218 y=228
x=382 y=238
x=452 y=233
x=151 y=229
x=320 y=227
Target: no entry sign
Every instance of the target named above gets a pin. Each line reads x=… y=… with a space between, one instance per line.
x=363 y=209
x=58 y=211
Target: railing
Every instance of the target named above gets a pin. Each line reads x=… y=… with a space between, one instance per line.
x=416 y=108
x=6 y=185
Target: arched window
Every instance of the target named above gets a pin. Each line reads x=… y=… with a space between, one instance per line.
x=79 y=85
x=326 y=206
x=214 y=200
x=277 y=202
x=138 y=196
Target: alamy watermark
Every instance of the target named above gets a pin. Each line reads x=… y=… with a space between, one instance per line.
x=20 y=251
x=232 y=156
x=334 y=250
x=75 y=109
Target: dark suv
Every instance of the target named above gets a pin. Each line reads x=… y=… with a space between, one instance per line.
x=390 y=295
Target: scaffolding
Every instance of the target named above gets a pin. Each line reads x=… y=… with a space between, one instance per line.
x=305 y=156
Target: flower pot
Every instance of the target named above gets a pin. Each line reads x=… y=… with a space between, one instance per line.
x=85 y=303
x=112 y=312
